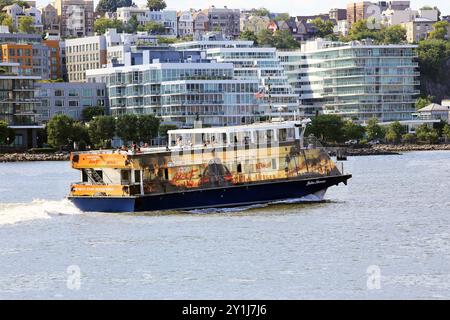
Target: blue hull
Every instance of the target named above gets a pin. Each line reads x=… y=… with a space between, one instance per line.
x=210 y=198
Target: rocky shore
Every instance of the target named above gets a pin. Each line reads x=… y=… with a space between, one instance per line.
x=388 y=149
x=16 y=157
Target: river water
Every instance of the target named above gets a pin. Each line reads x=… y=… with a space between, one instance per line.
x=385 y=235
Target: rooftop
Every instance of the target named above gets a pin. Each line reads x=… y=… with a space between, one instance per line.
x=434 y=107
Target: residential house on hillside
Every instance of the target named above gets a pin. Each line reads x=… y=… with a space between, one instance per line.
x=185 y=23
x=200 y=24
x=254 y=23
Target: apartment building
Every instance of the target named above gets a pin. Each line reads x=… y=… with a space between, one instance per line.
x=338 y=14
x=210 y=44
x=167 y=18
x=18 y=104
x=360 y=10
x=275 y=96
x=179 y=93
x=84 y=54
x=33 y=58
x=68 y=98
x=225 y=20
x=55 y=70
x=76 y=17
x=356 y=80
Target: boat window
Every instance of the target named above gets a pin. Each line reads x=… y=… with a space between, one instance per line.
x=166 y=174
x=282 y=135
x=224 y=138
x=290 y=134
x=269 y=135
x=125 y=176
x=84 y=176
x=137 y=176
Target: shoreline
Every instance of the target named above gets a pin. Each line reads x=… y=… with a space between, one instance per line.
x=22 y=157
x=381 y=149
x=387 y=149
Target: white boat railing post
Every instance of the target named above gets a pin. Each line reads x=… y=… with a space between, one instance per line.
x=141 y=173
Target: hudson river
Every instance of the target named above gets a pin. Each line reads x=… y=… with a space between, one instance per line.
x=385 y=235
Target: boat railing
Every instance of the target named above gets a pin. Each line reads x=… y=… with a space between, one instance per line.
x=312 y=142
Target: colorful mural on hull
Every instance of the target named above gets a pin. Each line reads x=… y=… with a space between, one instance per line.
x=112 y=174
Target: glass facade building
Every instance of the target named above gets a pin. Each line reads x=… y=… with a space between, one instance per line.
x=355 y=80
x=261 y=64
x=180 y=93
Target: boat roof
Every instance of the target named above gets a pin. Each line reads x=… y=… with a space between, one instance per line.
x=240 y=128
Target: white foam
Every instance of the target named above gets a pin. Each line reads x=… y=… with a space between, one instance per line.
x=11 y=213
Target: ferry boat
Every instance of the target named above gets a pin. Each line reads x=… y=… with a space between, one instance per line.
x=207 y=168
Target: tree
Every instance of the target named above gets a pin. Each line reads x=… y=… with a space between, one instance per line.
x=80 y=134
x=249 y=35
x=152 y=28
x=147 y=127
x=166 y=40
x=156 y=5
x=4 y=3
x=102 y=24
x=374 y=130
x=323 y=28
x=426 y=134
x=162 y=131
x=440 y=30
x=112 y=5
x=90 y=112
x=8 y=21
x=102 y=130
x=7 y=135
x=283 y=17
x=283 y=39
x=360 y=31
x=353 y=131
x=409 y=138
x=60 y=130
x=261 y=12
x=132 y=25
x=446 y=132
x=393 y=34
x=127 y=127
x=328 y=128
x=394 y=132
x=265 y=38
x=433 y=54
x=422 y=102
x=26 y=25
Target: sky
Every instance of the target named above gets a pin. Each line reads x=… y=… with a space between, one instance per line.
x=294 y=7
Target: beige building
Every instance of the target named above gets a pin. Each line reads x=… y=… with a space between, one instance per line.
x=84 y=54
x=76 y=17
x=418 y=29
x=254 y=23
x=358 y=11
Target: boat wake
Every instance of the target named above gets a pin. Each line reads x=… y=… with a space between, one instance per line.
x=11 y=213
